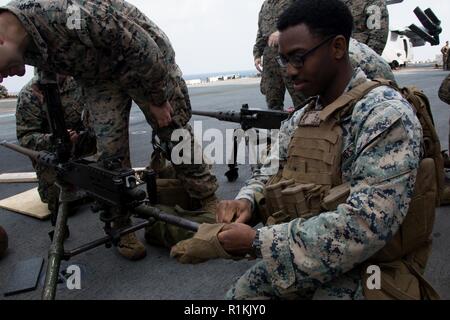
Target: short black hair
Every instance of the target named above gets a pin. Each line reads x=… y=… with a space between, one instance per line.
x=323 y=17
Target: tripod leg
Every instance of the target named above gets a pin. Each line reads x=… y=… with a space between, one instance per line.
x=56 y=252
x=233 y=174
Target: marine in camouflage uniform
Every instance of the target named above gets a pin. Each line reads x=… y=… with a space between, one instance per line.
x=371 y=18
x=445 y=54
x=274 y=78
x=382 y=166
x=117 y=55
x=33 y=130
x=318 y=257
x=371 y=28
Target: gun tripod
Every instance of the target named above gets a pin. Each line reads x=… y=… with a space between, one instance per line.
x=233 y=170
x=57 y=252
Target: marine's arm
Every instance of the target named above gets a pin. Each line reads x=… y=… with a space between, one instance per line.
x=30 y=120
x=261 y=40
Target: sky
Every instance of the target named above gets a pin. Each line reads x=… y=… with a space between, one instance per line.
x=218 y=35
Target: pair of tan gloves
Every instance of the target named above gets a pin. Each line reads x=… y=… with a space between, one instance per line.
x=204 y=246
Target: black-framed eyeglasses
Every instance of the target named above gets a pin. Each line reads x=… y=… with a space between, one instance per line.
x=297 y=60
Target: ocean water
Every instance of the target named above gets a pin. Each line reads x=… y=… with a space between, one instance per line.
x=204 y=76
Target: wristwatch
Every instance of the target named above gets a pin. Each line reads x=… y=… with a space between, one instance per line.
x=256 y=245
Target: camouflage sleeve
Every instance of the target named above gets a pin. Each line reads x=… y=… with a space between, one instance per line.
x=267 y=23
x=140 y=64
x=373 y=65
x=261 y=40
x=278 y=154
x=315 y=251
x=30 y=121
x=444 y=92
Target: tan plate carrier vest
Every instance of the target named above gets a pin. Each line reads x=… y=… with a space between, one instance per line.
x=311 y=183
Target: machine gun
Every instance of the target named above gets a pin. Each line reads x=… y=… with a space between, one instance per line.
x=248 y=119
x=115 y=190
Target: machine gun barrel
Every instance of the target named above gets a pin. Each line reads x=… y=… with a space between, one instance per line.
x=148 y=211
x=42 y=157
x=142 y=211
x=228 y=116
x=34 y=155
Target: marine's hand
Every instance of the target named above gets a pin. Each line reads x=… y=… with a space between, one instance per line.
x=274 y=39
x=162 y=114
x=258 y=64
x=202 y=247
x=239 y=211
x=237 y=239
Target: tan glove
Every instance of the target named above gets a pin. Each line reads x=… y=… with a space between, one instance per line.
x=202 y=247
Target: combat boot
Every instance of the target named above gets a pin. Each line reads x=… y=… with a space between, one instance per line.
x=3 y=242
x=210 y=204
x=129 y=245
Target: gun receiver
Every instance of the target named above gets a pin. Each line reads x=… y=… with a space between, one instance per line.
x=106 y=182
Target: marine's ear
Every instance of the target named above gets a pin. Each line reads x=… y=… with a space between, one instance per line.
x=340 y=47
